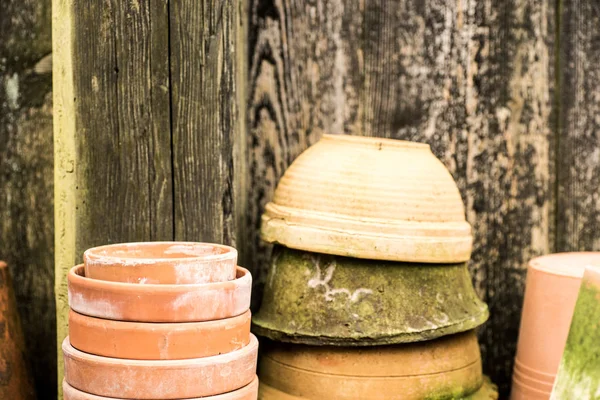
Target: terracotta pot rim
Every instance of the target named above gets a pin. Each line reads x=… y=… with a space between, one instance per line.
x=251 y=387
x=375 y=141
x=77 y=276
x=160 y=364
x=530 y=381
x=518 y=382
x=226 y=253
x=576 y=269
x=525 y=370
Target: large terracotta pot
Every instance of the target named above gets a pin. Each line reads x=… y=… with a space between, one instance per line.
x=552 y=286
x=369 y=198
x=441 y=368
x=164 y=379
x=158 y=341
x=248 y=392
x=161 y=262
x=159 y=303
x=15 y=381
x=579 y=372
x=318 y=299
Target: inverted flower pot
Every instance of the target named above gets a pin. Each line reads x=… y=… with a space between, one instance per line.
x=164 y=379
x=370 y=198
x=161 y=302
x=551 y=290
x=15 y=381
x=319 y=299
x=248 y=392
x=449 y=367
x=579 y=372
x=161 y=262
x=158 y=341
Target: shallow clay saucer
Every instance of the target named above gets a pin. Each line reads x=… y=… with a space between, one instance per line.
x=159 y=303
x=164 y=379
x=161 y=262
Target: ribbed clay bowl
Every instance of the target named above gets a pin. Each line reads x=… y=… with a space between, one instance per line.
x=369 y=198
x=248 y=392
x=449 y=367
x=312 y=298
x=159 y=303
x=158 y=341
x=161 y=262
x=164 y=379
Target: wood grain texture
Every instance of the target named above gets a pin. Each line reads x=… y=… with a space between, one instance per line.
x=203 y=65
x=578 y=141
x=26 y=185
x=472 y=79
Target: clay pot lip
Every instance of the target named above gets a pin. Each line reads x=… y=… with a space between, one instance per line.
x=77 y=277
x=530 y=381
x=566 y=264
x=528 y=371
x=516 y=381
x=106 y=254
x=251 y=387
x=72 y=352
x=155 y=327
x=375 y=141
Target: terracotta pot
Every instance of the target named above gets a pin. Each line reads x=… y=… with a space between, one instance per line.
x=159 y=303
x=370 y=198
x=537 y=375
x=158 y=341
x=442 y=368
x=248 y=392
x=488 y=391
x=319 y=299
x=161 y=262
x=531 y=382
x=15 y=381
x=552 y=285
x=579 y=373
x=164 y=379
x=520 y=391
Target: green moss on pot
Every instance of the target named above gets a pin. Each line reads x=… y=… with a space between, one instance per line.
x=321 y=299
x=579 y=372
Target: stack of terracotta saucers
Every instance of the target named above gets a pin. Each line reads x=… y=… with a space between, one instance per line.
x=368 y=295
x=160 y=320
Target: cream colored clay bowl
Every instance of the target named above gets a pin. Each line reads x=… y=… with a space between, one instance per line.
x=369 y=198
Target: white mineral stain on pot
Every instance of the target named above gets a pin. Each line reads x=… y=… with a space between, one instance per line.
x=317 y=281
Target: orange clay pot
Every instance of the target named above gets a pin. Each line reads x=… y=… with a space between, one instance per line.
x=248 y=392
x=520 y=391
x=158 y=341
x=161 y=262
x=553 y=283
x=159 y=303
x=15 y=381
x=164 y=379
x=449 y=367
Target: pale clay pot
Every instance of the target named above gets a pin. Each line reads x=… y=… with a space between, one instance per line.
x=161 y=262
x=369 y=198
x=552 y=285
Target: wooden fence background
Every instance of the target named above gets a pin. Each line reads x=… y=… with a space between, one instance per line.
x=175 y=120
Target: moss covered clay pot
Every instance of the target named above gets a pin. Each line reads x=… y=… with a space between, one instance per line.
x=159 y=303
x=369 y=198
x=579 y=372
x=161 y=262
x=248 y=392
x=448 y=367
x=158 y=341
x=319 y=299
x=15 y=380
x=163 y=379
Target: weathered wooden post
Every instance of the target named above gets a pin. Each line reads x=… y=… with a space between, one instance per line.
x=145 y=125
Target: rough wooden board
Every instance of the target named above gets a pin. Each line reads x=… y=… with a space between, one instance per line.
x=578 y=140
x=305 y=77
x=26 y=163
x=473 y=79
x=204 y=118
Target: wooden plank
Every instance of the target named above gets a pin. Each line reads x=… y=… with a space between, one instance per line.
x=113 y=143
x=305 y=77
x=26 y=184
x=203 y=62
x=578 y=139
